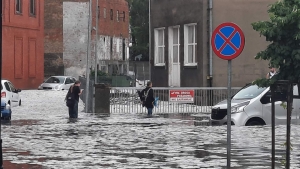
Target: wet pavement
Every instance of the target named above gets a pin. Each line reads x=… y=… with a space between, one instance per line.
x=40 y=136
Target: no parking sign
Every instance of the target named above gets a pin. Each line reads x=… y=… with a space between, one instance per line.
x=228 y=42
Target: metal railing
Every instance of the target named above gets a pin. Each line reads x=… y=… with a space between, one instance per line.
x=126 y=100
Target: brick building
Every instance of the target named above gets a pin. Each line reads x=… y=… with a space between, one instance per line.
x=23 y=45
x=180 y=43
x=53 y=38
x=66 y=35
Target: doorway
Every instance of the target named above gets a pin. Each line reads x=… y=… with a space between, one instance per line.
x=174 y=59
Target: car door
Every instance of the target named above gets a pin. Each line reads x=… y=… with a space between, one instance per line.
x=15 y=94
x=68 y=83
x=280 y=111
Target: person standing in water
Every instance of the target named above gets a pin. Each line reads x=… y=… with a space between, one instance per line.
x=146 y=96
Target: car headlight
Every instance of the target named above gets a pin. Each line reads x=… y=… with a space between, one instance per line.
x=7 y=106
x=239 y=108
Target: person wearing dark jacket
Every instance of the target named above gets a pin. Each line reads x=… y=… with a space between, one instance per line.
x=146 y=96
x=75 y=91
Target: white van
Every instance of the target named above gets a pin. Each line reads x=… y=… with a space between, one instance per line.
x=252 y=106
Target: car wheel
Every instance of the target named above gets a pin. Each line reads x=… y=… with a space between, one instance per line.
x=20 y=103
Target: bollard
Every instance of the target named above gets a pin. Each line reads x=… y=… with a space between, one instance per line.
x=102 y=99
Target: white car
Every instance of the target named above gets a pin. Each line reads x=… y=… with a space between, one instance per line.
x=10 y=94
x=252 y=106
x=57 y=83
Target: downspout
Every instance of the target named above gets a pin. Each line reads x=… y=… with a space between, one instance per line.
x=150 y=48
x=87 y=94
x=210 y=77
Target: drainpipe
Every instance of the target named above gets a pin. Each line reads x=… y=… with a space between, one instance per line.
x=96 y=43
x=210 y=77
x=1 y=64
x=150 y=46
x=87 y=58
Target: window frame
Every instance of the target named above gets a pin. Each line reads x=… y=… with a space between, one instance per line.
x=104 y=13
x=156 y=47
x=111 y=14
x=172 y=45
x=118 y=16
x=32 y=6
x=187 y=44
x=18 y=11
x=123 y=16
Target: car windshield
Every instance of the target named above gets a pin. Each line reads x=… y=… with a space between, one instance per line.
x=52 y=79
x=249 y=92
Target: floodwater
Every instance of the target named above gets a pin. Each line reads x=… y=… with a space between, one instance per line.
x=40 y=136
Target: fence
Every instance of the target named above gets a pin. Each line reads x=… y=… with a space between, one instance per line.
x=126 y=100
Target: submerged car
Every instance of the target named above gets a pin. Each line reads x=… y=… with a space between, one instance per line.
x=57 y=83
x=5 y=110
x=10 y=94
x=252 y=106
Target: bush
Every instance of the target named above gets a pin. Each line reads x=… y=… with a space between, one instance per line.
x=99 y=73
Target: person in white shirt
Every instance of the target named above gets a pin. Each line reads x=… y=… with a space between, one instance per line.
x=271 y=73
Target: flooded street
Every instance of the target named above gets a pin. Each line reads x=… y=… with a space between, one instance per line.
x=40 y=135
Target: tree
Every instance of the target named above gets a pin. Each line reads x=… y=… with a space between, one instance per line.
x=283 y=33
x=139 y=25
x=283 y=52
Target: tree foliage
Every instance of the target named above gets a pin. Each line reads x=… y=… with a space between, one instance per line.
x=283 y=33
x=139 y=25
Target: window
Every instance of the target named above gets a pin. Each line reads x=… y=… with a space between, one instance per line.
x=190 y=45
x=12 y=87
x=118 y=16
x=174 y=43
x=104 y=13
x=7 y=86
x=111 y=45
x=18 y=6
x=159 y=50
x=32 y=7
x=118 y=46
x=123 y=16
x=111 y=14
x=98 y=12
x=68 y=81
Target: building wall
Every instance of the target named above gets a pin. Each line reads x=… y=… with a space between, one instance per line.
x=166 y=13
x=53 y=38
x=23 y=45
x=111 y=35
x=245 y=68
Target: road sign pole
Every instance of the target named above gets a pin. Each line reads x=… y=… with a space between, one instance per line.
x=229 y=116
x=228 y=41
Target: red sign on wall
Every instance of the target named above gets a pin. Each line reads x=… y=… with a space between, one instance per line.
x=182 y=96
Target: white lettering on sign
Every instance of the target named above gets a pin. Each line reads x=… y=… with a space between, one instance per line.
x=183 y=96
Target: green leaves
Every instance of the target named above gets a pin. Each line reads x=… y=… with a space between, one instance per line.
x=283 y=31
x=139 y=25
